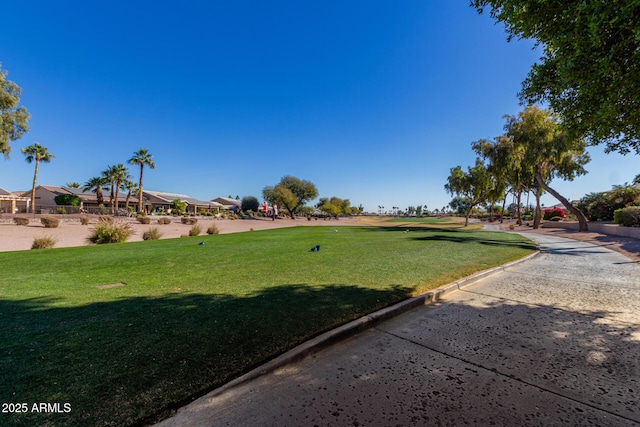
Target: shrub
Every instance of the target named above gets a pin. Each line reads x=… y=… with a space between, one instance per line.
x=67 y=200
x=164 y=221
x=144 y=220
x=84 y=220
x=249 y=203
x=45 y=242
x=110 y=232
x=61 y=211
x=188 y=221
x=194 y=231
x=50 y=222
x=151 y=234
x=553 y=212
x=105 y=218
x=213 y=229
x=178 y=207
x=601 y=206
x=627 y=217
x=21 y=220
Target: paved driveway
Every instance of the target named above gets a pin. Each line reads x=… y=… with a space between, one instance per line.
x=553 y=341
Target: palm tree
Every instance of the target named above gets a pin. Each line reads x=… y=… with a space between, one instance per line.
x=120 y=174
x=96 y=185
x=141 y=157
x=132 y=188
x=37 y=153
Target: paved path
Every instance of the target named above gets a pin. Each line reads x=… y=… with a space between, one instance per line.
x=553 y=341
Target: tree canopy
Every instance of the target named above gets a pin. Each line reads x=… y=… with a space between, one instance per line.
x=36 y=153
x=590 y=70
x=13 y=118
x=291 y=193
x=142 y=157
x=473 y=186
x=549 y=151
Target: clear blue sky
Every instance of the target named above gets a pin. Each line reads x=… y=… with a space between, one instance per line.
x=371 y=101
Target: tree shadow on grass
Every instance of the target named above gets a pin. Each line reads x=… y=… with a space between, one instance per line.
x=130 y=360
x=482 y=239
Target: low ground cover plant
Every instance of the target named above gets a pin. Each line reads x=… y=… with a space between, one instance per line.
x=50 y=222
x=110 y=231
x=164 y=221
x=144 y=220
x=125 y=332
x=188 y=220
x=152 y=234
x=21 y=220
x=84 y=220
x=45 y=242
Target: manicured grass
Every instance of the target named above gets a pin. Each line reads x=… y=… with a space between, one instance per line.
x=191 y=317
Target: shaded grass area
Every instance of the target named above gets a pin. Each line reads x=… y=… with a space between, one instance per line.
x=427 y=220
x=191 y=317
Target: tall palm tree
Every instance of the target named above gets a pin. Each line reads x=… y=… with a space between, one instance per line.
x=142 y=157
x=37 y=153
x=119 y=174
x=108 y=175
x=132 y=188
x=96 y=185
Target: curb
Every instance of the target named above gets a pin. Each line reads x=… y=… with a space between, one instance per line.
x=350 y=329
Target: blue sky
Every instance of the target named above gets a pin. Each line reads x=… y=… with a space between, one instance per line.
x=372 y=101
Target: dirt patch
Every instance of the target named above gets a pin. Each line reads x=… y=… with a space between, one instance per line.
x=113 y=285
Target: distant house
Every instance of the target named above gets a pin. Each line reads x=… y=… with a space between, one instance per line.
x=46 y=194
x=228 y=203
x=11 y=202
x=160 y=201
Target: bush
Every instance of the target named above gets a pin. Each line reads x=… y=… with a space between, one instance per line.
x=151 y=234
x=21 y=220
x=194 y=231
x=552 y=213
x=627 y=217
x=84 y=220
x=144 y=220
x=67 y=200
x=61 y=211
x=249 y=203
x=105 y=218
x=188 y=221
x=110 y=232
x=45 y=242
x=164 y=221
x=50 y=222
x=178 y=207
x=601 y=206
x=213 y=229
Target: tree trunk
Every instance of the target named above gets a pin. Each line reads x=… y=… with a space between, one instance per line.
x=140 y=189
x=519 y=222
x=33 y=189
x=538 y=215
x=582 y=220
x=504 y=205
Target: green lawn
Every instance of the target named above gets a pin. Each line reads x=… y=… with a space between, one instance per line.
x=191 y=317
x=452 y=221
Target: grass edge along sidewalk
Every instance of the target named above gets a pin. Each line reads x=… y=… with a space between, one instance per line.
x=188 y=319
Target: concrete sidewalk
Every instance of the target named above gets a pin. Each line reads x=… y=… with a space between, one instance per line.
x=553 y=341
